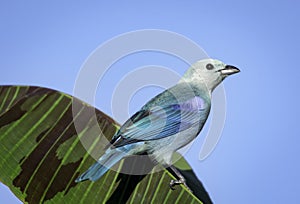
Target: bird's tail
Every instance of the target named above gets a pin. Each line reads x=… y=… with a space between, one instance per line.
x=111 y=157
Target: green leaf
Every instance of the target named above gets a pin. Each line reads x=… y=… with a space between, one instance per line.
x=41 y=154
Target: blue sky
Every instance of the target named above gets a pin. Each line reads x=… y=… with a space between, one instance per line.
x=256 y=160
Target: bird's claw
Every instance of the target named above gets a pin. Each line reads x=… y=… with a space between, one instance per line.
x=173 y=183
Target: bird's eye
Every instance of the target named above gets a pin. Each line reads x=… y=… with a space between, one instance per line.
x=209 y=66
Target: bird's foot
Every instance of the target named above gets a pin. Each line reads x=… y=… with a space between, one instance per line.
x=173 y=183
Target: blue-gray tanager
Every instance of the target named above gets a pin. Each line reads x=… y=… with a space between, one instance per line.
x=167 y=122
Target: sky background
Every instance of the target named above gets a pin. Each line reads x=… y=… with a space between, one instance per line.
x=256 y=160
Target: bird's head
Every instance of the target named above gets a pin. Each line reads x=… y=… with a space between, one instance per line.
x=210 y=72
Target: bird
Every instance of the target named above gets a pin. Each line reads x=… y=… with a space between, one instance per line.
x=167 y=122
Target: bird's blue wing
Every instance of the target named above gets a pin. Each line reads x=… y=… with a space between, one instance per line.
x=162 y=121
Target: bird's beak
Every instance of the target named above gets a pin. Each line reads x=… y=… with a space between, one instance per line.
x=229 y=70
